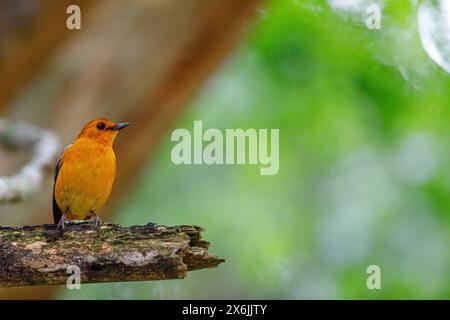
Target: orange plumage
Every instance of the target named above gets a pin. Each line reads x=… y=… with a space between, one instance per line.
x=85 y=172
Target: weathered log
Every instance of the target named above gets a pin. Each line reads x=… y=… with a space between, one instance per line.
x=37 y=255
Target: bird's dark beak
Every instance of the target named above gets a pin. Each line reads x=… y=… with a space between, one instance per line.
x=120 y=126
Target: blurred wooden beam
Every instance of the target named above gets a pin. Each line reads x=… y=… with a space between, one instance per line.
x=139 y=61
x=30 y=31
x=218 y=26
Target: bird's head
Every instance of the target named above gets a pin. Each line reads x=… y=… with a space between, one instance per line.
x=102 y=130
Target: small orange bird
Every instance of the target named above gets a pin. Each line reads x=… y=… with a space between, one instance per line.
x=85 y=173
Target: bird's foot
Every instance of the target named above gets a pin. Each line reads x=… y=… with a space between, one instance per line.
x=96 y=219
x=98 y=222
x=61 y=223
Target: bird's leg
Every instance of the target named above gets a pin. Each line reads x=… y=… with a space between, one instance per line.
x=97 y=221
x=61 y=222
x=94 y=217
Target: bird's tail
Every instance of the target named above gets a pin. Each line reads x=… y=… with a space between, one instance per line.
x=57 y=214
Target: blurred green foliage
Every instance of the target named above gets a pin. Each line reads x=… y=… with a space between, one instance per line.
x=364 y=166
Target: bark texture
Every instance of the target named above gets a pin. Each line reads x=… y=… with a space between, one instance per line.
x=41 y=255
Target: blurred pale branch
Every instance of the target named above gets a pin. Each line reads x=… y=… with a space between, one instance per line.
x=44 y=146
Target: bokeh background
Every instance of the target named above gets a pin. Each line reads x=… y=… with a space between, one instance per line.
x=364 y=119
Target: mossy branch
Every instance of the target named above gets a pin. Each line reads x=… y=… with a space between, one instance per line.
x=41 y=255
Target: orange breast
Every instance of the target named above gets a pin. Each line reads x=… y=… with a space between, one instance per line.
x=85 y=179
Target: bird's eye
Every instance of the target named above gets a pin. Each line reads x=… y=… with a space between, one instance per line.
x=101 y=126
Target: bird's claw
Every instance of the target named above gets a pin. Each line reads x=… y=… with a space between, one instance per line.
x=97 y=220
x=61 y=223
